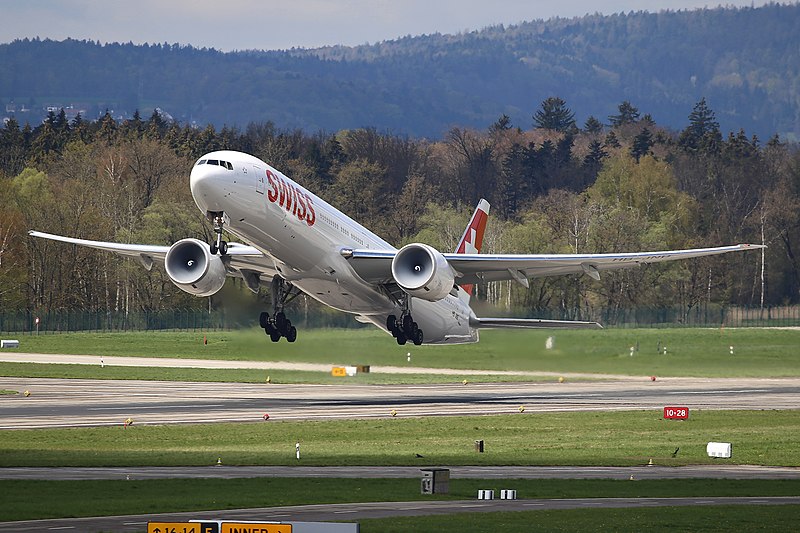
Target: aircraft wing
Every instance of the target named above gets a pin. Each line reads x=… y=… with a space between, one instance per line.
x=533 y=323
x=375 y=266
x=242 y=259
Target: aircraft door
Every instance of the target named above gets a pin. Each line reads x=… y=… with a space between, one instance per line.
x=261 y=179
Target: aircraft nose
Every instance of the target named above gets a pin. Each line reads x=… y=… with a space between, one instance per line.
x=207 y=183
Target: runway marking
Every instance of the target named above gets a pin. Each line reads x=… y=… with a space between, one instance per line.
x=153 y=407
x=718 y=391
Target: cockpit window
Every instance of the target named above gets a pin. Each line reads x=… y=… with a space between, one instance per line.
x=213 y=162
x=201 y=162
x=230 y=166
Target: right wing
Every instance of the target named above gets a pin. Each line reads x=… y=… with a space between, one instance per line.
x=242 y=260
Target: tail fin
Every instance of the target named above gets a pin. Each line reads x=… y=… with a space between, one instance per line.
x=472 y=240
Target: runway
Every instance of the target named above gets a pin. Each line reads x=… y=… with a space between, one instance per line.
x=74 y=402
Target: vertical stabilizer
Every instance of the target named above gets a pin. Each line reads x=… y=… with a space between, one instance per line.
x=472 y=240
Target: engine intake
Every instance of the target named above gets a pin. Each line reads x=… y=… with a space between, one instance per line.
x=192 y=268
x=422 y=271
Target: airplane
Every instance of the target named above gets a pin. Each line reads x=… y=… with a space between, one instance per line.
x=300 y=244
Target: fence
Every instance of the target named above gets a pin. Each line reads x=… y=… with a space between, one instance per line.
x=201 y=320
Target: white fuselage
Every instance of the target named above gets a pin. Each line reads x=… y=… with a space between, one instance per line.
x=304 y=236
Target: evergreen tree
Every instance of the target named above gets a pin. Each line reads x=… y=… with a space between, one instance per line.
x=593 y=126
x=611 y=140
x=642 y=144
x=628 y=114
x=554 y=115
x=702 y=134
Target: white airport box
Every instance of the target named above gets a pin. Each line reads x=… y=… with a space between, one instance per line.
x=485 y=494
x=719 y=449
x=350 y=370
x=506 y=494
x=7 y=343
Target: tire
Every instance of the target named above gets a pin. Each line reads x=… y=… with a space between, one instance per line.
x=280 y=321
x=407 y=322
x=391 y=323
x=401 y=338
x=291 y=336
x=418 y=337
x=274 y=336
x=213 y=249
x=223 y=248
x=263 y=320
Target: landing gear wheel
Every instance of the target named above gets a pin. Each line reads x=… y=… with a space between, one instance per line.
x=280 y=321
x=391 y=323
x=418 y=337
x=407 y=322
x=213 y=248
x=401 y=338
x=263 y=320
x=274 y=336
x=223 y=248
x=291 y=335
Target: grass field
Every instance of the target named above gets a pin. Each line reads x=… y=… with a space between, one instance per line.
x=574 y=438
x=689 y=352
x=33 y=499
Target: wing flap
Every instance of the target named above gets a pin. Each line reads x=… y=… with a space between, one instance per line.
x=534 y=323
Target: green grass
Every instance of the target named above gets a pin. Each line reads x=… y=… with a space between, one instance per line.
x=36 y=499
x=36 y=370
x=690 y=352
x=5 y=392
x=573 y=438
x=653 y=520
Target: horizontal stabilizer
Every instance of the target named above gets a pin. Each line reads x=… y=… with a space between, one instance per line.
x=534 y=323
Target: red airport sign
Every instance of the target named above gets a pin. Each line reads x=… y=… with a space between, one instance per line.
x=676 y=413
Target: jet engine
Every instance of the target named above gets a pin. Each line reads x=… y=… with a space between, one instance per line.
x=422 y=271
x=190 y=266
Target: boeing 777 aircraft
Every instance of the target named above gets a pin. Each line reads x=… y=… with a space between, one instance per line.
x=298 y=243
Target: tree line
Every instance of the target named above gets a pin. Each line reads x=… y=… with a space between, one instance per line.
x=618 y=182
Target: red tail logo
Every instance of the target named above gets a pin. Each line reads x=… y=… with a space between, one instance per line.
x=472 y=240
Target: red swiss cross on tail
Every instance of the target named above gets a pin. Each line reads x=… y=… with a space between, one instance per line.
x=472 y=240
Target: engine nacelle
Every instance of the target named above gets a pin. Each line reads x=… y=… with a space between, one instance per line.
x=422 y=271
x=190 y=266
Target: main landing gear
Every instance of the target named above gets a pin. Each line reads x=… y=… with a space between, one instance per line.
x=404 y=329
x=218 y=245
x=277 y=325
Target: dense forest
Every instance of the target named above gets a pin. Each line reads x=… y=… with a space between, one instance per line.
x=744 y=61
x=560 y=186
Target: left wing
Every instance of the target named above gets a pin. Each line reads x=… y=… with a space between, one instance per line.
x=375 y=266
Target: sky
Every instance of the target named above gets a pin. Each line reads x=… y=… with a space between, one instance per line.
x=280 y=24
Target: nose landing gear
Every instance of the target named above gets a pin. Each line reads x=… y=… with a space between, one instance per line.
x=218 y=245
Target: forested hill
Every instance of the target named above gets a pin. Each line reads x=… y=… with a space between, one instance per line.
x=744 y=61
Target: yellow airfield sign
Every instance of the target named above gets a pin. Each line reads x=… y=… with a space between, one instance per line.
x=182 y=527
x=244 y=527
x=217 y=527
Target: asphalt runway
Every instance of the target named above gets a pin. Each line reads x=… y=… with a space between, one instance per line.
x=74 y=403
